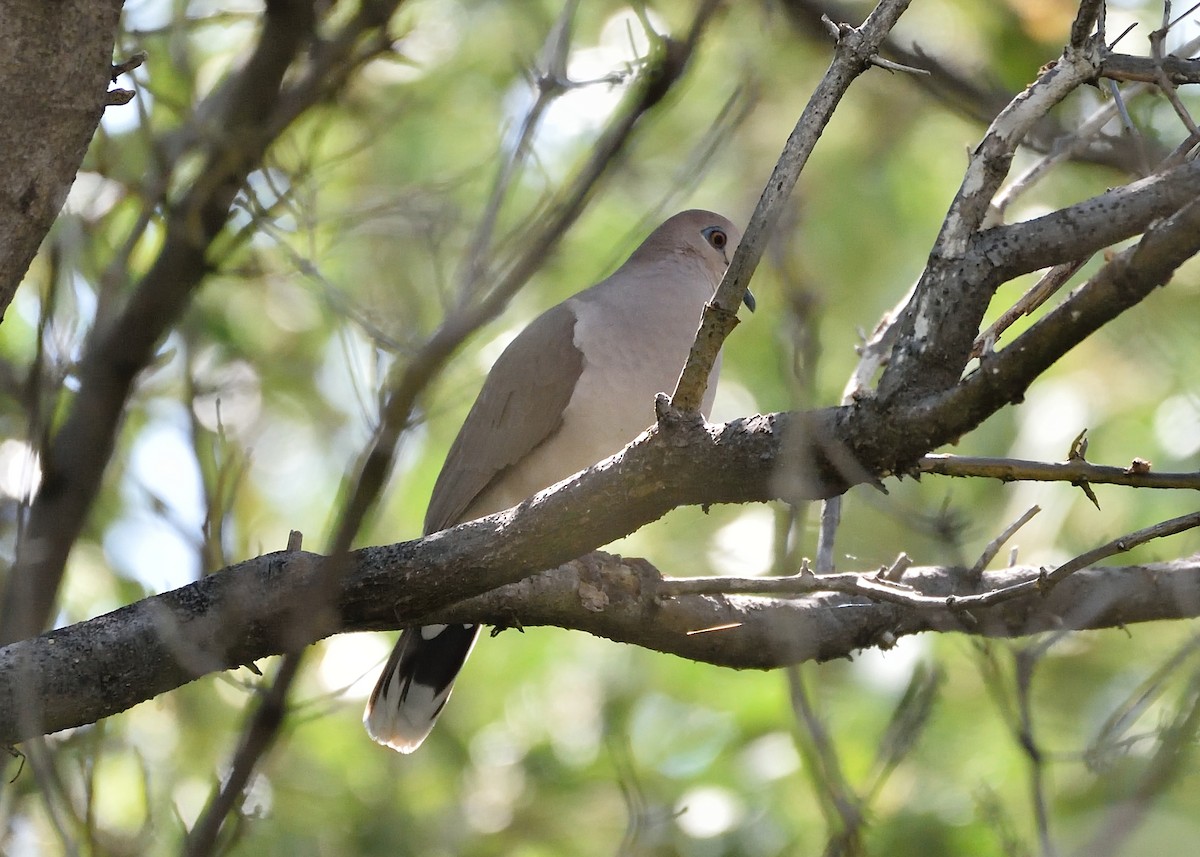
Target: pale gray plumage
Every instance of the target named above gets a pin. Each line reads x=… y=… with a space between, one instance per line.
x=574 y=387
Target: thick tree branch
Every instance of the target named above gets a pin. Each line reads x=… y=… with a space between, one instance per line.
x=998 y=254
x=1122 y=283
x=654 y=474
x=939 y=326
x=1085 y=22
x=79 y=674
x=57 y=65
x=75 y=675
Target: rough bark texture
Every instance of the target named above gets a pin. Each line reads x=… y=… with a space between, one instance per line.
x=56 y=66
x=79 y=674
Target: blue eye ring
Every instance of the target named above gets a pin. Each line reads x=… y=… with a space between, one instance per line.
x=716 y=237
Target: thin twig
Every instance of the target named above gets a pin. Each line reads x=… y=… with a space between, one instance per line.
x=873 y=587
x=906 y=725
x=1050 y=282
x=1170 y=760
x=895 y=572
x=993 y=547
x=1165 y=85
x=1121 y=545
x=855 y=49
x=1113 y=738
x=842 y=806
x=257 y=738
x=1027 y=660
x=551 y=81
x=831 y=518
x=1138 y=474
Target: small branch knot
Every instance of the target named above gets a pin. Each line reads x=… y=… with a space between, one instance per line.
x=675 y=424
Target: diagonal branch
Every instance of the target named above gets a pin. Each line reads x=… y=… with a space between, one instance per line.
x=998 y=254
x=1090 y=13
x=1125 y=281
x=940 y=322
x=852 y=56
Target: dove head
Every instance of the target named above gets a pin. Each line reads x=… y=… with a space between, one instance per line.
x=703 y=235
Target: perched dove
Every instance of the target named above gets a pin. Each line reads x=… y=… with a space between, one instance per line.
x=573 y=388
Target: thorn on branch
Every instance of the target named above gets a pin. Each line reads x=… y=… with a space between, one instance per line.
x=127 y=66
x=840 y=31
x=886 y=640
x=117 y=97
x=1079 y=447
x=1122 y=35
x=1077 y=454
x=513 y=624
x=1086 y=488
x=895 y=66
x=18 y=755
x=836 y=31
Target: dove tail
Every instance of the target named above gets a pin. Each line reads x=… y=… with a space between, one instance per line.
x=415 y=684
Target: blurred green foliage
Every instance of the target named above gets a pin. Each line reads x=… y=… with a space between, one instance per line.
x=342 y=255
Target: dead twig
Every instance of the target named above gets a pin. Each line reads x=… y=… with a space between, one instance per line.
x=1137 y=474
x=993 y=547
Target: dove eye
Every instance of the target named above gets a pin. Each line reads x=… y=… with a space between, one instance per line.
x=716 y=236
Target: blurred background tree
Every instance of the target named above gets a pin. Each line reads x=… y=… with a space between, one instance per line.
x=358 y=221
